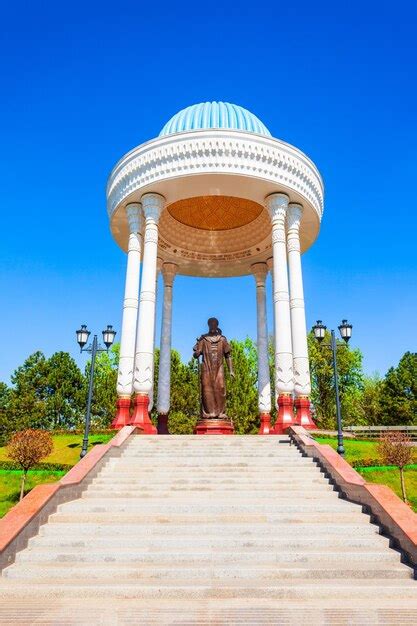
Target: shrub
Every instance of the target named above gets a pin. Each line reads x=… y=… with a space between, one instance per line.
x=27 y=448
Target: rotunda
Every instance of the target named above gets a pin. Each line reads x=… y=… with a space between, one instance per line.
x=214 y=195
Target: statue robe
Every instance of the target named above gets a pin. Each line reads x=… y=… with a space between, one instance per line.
x=214 y=349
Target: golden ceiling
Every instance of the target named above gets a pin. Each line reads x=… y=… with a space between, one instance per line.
x=215 y=212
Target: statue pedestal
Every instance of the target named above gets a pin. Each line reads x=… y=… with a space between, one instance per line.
x=214 y=427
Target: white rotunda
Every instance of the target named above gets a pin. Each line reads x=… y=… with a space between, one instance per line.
x=214 y=195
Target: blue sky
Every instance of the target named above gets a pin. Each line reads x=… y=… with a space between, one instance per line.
x=83 y=83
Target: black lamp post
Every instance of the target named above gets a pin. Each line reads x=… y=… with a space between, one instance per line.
x=345 y=329
x=82 y=338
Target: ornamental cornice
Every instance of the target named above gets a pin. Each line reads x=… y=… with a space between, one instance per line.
x=220 y=152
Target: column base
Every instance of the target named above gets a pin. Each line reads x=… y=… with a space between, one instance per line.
x=303 y=418
x=285 y=417
x=214 y=426
x=122 y=417
x=265 y=428
x=140 y=417
x=162 y=426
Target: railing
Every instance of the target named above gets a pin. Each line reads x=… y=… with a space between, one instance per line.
x=375 y=432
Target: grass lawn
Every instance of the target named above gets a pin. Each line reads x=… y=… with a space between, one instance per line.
x=357 y=450
x=10 y=485
x=66 y=450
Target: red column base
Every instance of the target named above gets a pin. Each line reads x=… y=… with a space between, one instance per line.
x=214 y=427
x=162 y=426
x=140 y=417
x=265 y=428
x=122 y=417
x=304 y=418
x=285 y=417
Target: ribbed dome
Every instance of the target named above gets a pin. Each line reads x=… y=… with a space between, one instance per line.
x=214 y=115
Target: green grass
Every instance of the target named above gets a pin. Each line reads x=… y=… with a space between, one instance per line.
x=391 y=477
x=357 y=450
x=67 y=448
x=66 y=451
x=10 y=485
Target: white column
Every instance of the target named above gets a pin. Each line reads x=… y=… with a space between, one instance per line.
x=130 y=303
x=153 y=205
x=169 y=271
x=260 y=271
x=298 y=319
x=159 y=263
x=277 y=204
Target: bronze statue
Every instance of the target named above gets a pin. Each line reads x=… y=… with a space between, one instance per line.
x=214 y=348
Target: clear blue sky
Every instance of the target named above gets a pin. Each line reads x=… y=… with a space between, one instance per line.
x=84 y=82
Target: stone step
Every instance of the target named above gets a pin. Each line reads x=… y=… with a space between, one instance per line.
x=285 y=506
x=193 y=488
x=218 y=463
x=96 y=525
x=200 y=557
x=203 y=495
x=306 y=590
x=311 y=543
x=260 y=574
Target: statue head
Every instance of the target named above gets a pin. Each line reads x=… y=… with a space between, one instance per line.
x=213 y=325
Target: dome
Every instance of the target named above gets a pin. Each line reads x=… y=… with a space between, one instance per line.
x=214 y=115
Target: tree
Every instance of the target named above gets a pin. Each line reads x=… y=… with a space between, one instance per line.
x=399 y=392
x=184 y=400
x=395 y=449
x=27 y=448
x=27 y=402
x=64 y=392
x=5 y=427
x=349 y=364
x=242 y=395
x=371 y=400
x=104 y=390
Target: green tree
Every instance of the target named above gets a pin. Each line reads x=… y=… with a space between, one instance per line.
x=64 y=392
x=184 y=402
x=399 y=392
x=104 y=390
x=349 y=363
x=242 y=395
x=371 y=400
x=27 y=401
x=5 y=427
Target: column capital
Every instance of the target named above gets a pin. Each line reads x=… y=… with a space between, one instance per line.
x=134 y=216
x=270 y=264
x=294 y=214
x=169 y=271
x=159 y=264
x=277 y=205
x=260 y=272
x=153 y=205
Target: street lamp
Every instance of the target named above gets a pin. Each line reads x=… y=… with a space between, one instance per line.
x=82 y=337
x=345 y=330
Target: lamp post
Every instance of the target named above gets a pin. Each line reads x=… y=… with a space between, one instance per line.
x=82 y=337
x=345 y=329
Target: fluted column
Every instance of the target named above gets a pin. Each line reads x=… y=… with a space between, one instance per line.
x=260 y=271
x=277 y=204
x=169 y=271
x=129 y=318
x=153 y=205
x=302 y=385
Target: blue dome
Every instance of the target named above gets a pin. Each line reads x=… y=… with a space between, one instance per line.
x=214 y=115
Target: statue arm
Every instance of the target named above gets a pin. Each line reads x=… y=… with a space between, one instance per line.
x=198 y=348
x=229 y=364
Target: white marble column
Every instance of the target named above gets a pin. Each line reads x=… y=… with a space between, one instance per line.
x=169 y=271
x=159 y=263
x=129 y=318
x=260 y=272
x=302 y=385
x=277 y=204
x=152 y=205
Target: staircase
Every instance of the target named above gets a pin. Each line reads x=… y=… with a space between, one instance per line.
x=225 y=530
